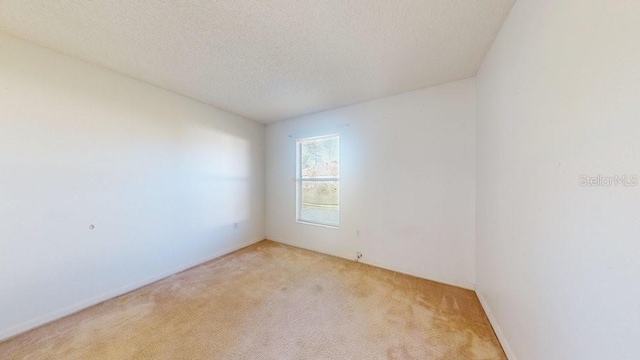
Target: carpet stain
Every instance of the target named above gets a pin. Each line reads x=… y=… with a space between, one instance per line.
x=272 y=301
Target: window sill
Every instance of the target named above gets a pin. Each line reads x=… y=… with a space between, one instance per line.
x=336 y=227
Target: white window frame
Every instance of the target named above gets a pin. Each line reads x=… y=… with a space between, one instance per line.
x=299 y=180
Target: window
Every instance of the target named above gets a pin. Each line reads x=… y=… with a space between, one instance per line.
x=318 y=180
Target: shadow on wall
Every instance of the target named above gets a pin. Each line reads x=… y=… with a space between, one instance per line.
x=219 y=166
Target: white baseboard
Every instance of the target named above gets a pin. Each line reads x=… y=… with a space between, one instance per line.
x=496 y=327
x=432 y=277
x=56 y=315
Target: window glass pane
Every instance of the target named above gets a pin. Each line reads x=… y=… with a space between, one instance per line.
x=320 y=202
x=319 y=157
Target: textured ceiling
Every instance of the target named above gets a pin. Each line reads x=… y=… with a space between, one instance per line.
x=269 y=60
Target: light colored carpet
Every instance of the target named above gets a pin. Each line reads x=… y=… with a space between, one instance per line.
x=272 y=301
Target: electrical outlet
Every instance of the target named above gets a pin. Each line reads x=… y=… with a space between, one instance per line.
x=357 y=233
x=358 y=256
x=235 y=226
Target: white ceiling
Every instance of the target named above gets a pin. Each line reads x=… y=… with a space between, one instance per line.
x=269 y=60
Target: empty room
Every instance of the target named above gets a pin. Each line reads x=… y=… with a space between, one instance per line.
x=297 y=179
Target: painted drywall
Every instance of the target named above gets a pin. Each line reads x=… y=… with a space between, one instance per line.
x=162 y=178
x=558 y=263
x=407 y=182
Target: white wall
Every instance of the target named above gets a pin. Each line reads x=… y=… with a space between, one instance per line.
x=162 y=177
x=407 y=182
x=558 y=263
